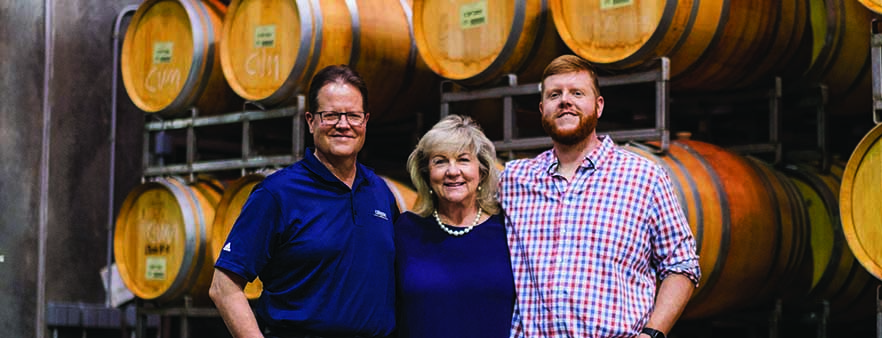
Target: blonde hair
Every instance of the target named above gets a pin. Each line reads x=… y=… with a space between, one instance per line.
x=454 y=133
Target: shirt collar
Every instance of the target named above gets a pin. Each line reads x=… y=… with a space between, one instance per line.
x=591 y=161
x=313 y=164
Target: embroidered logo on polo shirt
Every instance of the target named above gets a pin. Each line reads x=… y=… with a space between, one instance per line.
x=227 y=247
x=380 y=214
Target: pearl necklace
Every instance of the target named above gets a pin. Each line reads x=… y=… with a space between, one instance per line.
x=457 y=232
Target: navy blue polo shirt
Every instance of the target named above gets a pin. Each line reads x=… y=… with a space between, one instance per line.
x=324 y=252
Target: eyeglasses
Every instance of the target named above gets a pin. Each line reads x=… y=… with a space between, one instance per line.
x=355 y=118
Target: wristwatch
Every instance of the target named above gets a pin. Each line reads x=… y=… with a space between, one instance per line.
x=652 y=332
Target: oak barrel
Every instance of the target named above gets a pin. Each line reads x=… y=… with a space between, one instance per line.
x=859 y=200
x=270 y=50
x=169 y=63
x=836 y=276
x=755 y=40
x=478 y=42
x=405 y=196
x=726 y=202
x=840 y=53
x=625 y=34
x=873 y=5
x=161 y=239
x=228 y=210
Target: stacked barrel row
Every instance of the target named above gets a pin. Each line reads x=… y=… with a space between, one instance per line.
x=179 y=54
x=170 y=231
x=764 y=233
x=198 y=53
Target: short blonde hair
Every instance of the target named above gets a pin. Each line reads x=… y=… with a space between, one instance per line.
x=452 y=134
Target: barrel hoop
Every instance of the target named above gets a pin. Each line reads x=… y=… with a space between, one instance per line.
x=681 y=196
x=663 y=27
x=354 y=55
x=292 y=83
x=799 y=218
x=540 y=33
x=190 y=255
x=726 y=222
x=203 y=46
x=832 y=211
x=317 y=45
x=414 y=53
x=699 y=208
x=209 y=59
x=721 y=27
x=689 y=24
x=517 y=27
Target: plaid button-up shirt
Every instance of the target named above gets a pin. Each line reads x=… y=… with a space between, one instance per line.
x=586 y=253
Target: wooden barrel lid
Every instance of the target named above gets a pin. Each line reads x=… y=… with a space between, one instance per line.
x=475 y=42
x=160 y=240
x=859 y=198
x=158 y=54
x=265 y=48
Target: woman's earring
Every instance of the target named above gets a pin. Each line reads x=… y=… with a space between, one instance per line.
x=431 y=192
x=479 y=188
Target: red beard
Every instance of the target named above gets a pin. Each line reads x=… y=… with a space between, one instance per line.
x=587 y=123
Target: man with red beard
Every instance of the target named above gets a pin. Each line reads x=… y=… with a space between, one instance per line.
x=591 y=227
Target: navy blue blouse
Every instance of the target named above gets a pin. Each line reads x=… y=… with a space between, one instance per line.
x=451 y=286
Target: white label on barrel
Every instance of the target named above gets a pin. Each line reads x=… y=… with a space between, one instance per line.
x=265 y=36
x=155 y=268
x=162 y=52
x=607 y=4
x=473 y=15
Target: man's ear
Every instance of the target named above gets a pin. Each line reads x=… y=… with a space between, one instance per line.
x=309 y=119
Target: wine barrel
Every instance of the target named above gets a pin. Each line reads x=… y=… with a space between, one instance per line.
x=873 y=5
x=726 y=202
x=477 y=42
x=837 y=277
x=405 y=196
x=787 y=279
x=168 y=59
x=859 y=201
x=228 y=210
x=161 y=239
x=754 y=40
x=840 y=53
x=270 y=50
x=681 y=30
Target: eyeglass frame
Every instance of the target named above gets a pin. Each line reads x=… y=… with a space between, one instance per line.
x=321 y=116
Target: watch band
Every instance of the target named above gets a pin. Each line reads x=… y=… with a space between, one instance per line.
x=652 y=332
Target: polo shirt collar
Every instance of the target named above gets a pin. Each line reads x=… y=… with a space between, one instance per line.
x=313 y=164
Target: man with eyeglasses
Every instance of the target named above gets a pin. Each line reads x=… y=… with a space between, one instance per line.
x=318 y=233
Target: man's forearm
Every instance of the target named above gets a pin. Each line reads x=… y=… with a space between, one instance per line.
x=228 y=295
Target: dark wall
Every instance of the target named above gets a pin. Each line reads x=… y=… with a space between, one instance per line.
x=78 y=108
x=21 y=78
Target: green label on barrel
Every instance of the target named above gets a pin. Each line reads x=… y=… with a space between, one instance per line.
x=162 y=52
x=607 y=4
x=473 y=15
x=155 y=268
x=265 y=36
